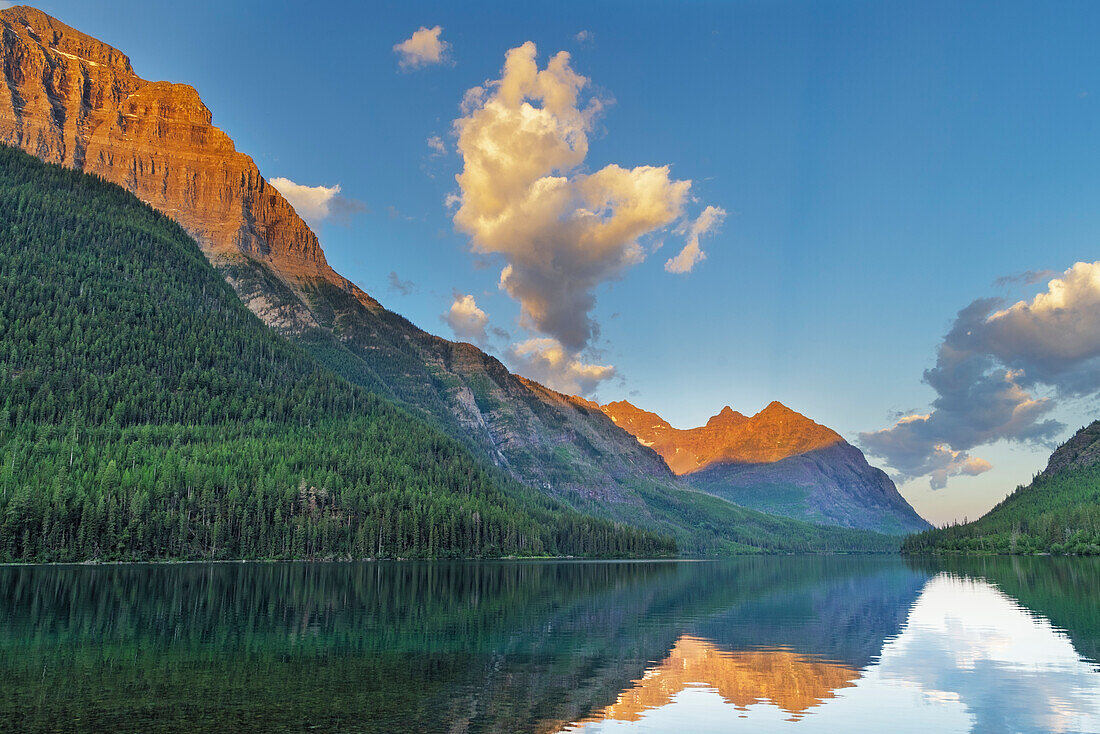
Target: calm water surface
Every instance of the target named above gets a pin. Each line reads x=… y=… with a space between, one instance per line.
x=762 y=644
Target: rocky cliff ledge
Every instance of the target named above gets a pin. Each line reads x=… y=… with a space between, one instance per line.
x=71 y=99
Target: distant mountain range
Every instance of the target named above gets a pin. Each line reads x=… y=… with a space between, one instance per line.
x=777 y=461
x=1058 y=512
x=73 y=100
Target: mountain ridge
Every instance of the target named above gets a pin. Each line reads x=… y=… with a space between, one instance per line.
x=777 y=461
x=146 y=414
x=774 y=433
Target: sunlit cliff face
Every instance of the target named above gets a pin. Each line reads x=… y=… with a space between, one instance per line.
x=771 y=435
x=792 y=682
x=74 y=100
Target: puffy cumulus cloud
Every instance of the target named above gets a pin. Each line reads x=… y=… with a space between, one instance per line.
x=707 y=222
x=317 y=203
x=561 y=231
x=989 y=369
x=466 y=320
x=1054 y=339
x=545 y=360
x=424 y=48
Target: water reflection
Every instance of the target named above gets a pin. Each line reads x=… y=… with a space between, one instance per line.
x=764 y=644
x=970 y=646
x=792 y=682
x=969 y=658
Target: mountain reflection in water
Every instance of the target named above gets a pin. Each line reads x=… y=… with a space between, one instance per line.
x=792 y=682
x=754 y=644
x=969 y=658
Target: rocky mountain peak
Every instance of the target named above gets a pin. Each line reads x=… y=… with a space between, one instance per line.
x=71 y=99
x=773 y=434
x=725 y=417
x=780 y=461
x=53 y=34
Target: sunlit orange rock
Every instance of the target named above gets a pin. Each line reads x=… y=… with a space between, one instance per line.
x=774 y=433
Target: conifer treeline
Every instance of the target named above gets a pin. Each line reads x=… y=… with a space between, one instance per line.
x=146 y=413
x=1057 y=514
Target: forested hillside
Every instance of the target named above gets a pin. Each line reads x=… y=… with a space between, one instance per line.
x=1059 y=512
x=146 y=413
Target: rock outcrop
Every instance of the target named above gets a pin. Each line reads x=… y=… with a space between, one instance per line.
x=1082 y=450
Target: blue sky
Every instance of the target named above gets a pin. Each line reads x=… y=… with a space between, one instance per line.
x=881 y=164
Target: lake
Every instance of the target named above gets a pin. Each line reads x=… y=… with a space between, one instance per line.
x=804 y=644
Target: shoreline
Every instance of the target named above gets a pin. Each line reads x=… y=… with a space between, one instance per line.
x=503 y=559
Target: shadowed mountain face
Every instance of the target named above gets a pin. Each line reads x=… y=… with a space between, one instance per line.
x=777 y=461
x=1082 y=451
x=71 y=99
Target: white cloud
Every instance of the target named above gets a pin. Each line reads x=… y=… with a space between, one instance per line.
x=424 y=48
x=466 y=320
x=989 y=367
x=584 y=36
x=545 y=360
x=438 y=145
x=562 y=232
x=707 y=222
x=317 y=203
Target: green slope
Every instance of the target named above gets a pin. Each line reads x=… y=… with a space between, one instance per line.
x=1059 y=512
x=548 y=440
x=146 y=413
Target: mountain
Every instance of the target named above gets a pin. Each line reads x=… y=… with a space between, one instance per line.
x=146 y=413
x=1058 y=512
x=71 y=99
x=771 y=435
x=777 y=461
